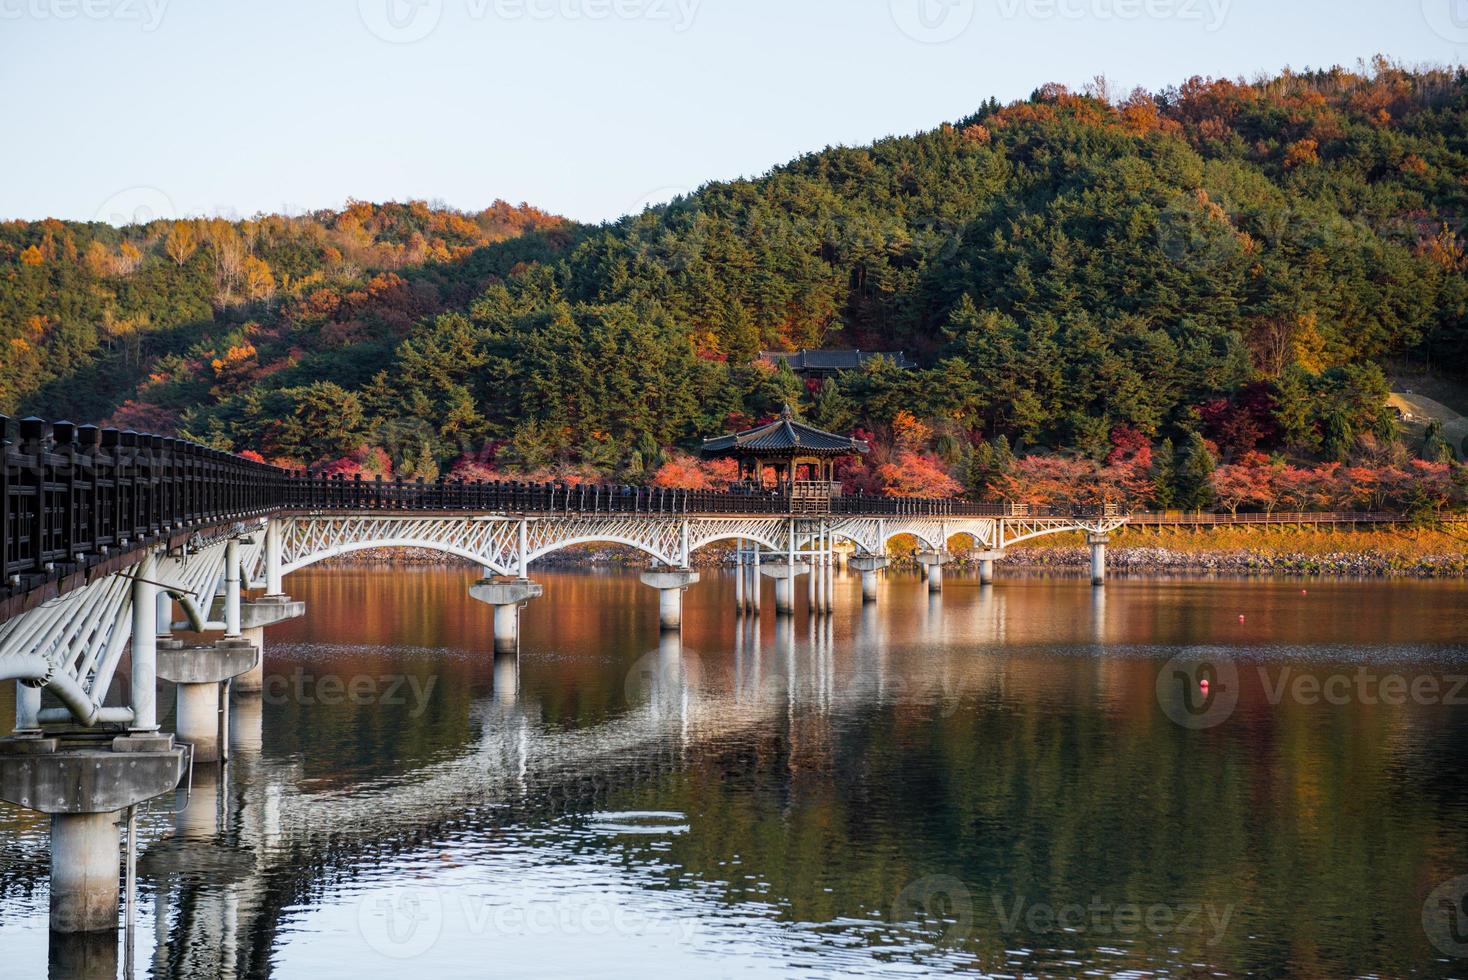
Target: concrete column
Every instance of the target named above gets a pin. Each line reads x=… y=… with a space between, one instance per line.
x=741 y=605
x=506 y=628
x=933 y=562
x=755 y=586
x=273 y=577
x=164 y=616
x=84 y=788
x=84 y=871
x=670 y=609
x=1098 y=543
x=784 y=576
x=506 y=678
x=254 y=617
x=232 y=588
x=143 y=690
x=196 y=719
x=27 y=709
x=197 y=673
x=524 y=551
x=785 y=596
x=869 y=566
x=816 y=599
x=986 y=560
x=670 y=585
x=252 y=681
x=506 y=598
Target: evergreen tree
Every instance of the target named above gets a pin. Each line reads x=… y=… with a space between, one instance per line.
x=1194 y=479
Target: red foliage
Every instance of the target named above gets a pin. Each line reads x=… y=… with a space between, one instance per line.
x=143 y=417
x=367 y=461
x=686 y=473
x=916 y=475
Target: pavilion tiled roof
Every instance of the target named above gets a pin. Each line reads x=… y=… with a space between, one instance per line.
x=782 y=436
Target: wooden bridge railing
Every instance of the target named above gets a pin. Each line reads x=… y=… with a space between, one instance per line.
x=77 y=495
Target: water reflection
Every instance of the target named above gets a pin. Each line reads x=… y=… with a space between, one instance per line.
x=780 y=794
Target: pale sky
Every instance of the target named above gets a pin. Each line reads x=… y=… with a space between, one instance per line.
x=588 y=108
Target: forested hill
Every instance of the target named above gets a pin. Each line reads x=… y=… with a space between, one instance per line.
x=1222 y=260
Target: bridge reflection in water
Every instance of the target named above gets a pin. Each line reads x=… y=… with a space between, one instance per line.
x=765 y=772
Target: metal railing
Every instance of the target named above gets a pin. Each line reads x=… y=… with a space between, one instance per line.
x=78 y=495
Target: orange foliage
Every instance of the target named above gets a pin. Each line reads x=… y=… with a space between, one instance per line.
x=682 y=472
x=916 y=475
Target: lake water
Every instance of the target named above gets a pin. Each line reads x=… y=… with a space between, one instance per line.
x=1024 y=779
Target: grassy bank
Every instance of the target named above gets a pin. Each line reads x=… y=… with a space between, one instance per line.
x=1405 y=551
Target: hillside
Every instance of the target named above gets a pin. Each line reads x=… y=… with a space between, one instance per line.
x=1221 y=267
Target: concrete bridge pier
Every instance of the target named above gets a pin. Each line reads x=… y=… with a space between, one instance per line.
x=754 y=585
x=254 y=617
x=741 y=604
x=85 y=787
x=869 y=566
x=986 y=560
x=200 y=717
x=933 y=562
x=784 y=574
x=1098 y=543
x=670 y=584
x=506 y=596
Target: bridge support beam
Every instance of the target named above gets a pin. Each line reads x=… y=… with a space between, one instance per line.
x=1098 y=543
x=934 y=561
x=670 y=584
x=869 y=566
x=84 y=789
x=506 y=597
x=784 y=574
x=254 y=617
x=198 y=672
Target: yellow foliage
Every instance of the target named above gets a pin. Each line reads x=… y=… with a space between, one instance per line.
x=31 y=256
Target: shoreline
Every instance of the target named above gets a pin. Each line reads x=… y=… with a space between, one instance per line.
x=1419 y=555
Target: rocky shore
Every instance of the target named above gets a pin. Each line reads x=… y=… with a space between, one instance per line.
x=1440 y=556
x=1143 y=560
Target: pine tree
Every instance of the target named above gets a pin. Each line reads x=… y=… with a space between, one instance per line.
x=830 y=409
x=1195 y=475
x=1164 y=476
